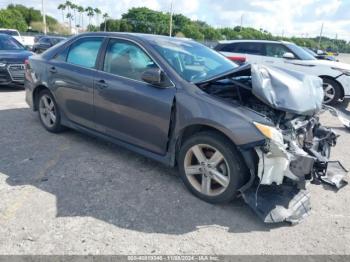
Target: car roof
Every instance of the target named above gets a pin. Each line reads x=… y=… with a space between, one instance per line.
x=140 y=36
x=53 y=37
x=253 y=41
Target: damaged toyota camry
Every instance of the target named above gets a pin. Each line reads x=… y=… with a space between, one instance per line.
x=250 y=131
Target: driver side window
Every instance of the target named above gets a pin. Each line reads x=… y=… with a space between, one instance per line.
x=126 y=59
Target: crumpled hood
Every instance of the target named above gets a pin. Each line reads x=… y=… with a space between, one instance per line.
x=287 y=90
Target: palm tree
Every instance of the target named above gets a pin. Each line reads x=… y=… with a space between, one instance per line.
x=62 y=7
x=74 y=8
x=81 y=11
x=69 y=16
x=90 y=13
x=105 y=16
x=97 y=12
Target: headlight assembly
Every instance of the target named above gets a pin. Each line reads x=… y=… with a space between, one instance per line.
x=270 y=132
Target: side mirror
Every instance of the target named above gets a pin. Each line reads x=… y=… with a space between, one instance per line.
x=153 y=76
x=288 y=55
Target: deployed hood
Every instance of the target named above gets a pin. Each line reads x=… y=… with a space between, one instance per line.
x=287 y=90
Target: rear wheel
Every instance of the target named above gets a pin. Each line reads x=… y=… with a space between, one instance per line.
x=49 y=113
x=211 y=168
x=332 y=91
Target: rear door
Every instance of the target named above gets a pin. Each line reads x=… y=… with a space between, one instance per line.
x=126 y=107
x=71 y=75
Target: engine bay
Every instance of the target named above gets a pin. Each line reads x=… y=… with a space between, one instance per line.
x=299 y=151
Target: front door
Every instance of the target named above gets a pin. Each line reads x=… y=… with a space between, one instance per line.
x=126 y=107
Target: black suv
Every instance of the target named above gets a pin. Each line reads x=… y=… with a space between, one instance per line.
x=12 y=61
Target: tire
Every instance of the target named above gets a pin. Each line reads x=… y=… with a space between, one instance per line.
x=234 y=173
x=333 y=91
x=49 y=113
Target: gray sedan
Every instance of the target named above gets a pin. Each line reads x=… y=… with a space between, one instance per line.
x=250 y=130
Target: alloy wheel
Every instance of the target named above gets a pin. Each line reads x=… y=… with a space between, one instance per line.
x=329 y=93
x=47 y=111
x=207 y=170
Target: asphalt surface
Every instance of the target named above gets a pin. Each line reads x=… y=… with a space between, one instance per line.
x=74 y=194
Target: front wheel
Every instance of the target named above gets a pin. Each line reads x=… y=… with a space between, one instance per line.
x=332 y=91
x=211 y=167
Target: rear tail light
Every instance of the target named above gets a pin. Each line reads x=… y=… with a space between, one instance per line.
x=26 y=64
x=239 y=59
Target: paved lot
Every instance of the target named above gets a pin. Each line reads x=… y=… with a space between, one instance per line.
x=73 y=194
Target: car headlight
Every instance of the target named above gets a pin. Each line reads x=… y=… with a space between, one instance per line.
x=270 y=132
x=344 y=71
x=2 y=65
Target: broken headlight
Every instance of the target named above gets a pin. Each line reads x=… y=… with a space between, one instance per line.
x=270 y=132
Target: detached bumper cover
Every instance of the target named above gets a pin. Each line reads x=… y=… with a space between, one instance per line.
x=275 y=204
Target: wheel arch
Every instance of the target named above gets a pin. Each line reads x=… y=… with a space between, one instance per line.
x=335 y=80
x=36 y=93
x=190 y=130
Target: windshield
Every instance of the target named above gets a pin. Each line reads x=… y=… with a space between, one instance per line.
x=310 y=51
x=300 y=52
x=192 y=61
x=9 y=43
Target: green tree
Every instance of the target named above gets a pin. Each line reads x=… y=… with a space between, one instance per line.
x=192 y=31
x=12 y=19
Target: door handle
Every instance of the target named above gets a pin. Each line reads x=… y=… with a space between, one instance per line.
x=101 y=84
x=53 y=69
x=269 y=61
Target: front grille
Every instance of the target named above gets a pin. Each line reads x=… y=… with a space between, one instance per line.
x=16 y=72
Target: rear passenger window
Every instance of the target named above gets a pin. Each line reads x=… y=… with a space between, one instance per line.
x=251 y=48
x=275 y=50
x=227 y=47
x=84 y=52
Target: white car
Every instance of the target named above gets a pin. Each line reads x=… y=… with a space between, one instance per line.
x=335 y=75
x=27 y=41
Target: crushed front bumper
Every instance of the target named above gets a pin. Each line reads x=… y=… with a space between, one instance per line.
x=279 y=191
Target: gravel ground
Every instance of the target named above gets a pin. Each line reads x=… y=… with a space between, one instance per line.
x=73 y=194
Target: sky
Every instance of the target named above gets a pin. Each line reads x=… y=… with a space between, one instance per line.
x=280 y=17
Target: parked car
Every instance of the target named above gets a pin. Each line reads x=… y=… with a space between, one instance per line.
x=27 y=41
x=320 y=55
x=46 y=42
x=183 y=104
x=335 y=75
x=37 y=38
x=12 y=59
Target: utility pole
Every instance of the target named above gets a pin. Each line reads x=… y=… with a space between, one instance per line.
x=171 y=19
x=44 y=15
x=319 y=40
x=241 y=23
